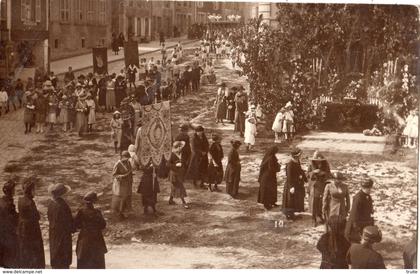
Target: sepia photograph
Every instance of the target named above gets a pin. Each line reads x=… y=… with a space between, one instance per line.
x=143 y=134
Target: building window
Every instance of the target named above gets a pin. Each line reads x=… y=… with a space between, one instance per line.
x=64 y=10
x=26 y=10
x=83 y=43
x=78 y=10
x=56 y=43
x=167 y=4
x=102 y=12
x=91 y=11
x=38 y=11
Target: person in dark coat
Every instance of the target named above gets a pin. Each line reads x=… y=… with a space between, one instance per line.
x=196 y=76
x=176 y=174
x=318 y=173
x=197 y=170
x=215 y=166
x=120 y=90
x=294 y=189
x=363 y=256
x=61 y=228
x=241 y=106
x=9 y=220
x=333 y=245
x=361 y=213
x=149 y=188
x=91 y=248
x=233 y=170
x=231 y=108
x=102 y=84
x=31 y=246
x=410 y=254
x=267 y=194
x=184 y=137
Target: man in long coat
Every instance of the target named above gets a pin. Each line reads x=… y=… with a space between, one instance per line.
x=61 y=228
x=267 y=194
x=9 y=220
x=294 y=189
x=361 y=213
x=241 y=106
x=197 y=170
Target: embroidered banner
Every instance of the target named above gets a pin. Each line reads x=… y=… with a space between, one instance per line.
x=155 y=139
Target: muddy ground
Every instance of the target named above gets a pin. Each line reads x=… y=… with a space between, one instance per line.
x=217 y=231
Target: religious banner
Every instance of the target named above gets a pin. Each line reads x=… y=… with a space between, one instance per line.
x=131 y=53
x=155 y=141
x=100 y=60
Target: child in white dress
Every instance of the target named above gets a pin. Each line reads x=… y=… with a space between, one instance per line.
x=250 y=132
x=278 y=126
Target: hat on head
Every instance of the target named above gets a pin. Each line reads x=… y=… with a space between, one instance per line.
x=288 y=105
x=318 y=156
x=184 y=127
x=216 y=137
x=178 y=145
x=78 y=85
x=367 y=183
x=338 y=176
x=58 y=189
x=253 y=106
x=223 y=84
x=90 y=197
x=116 y=112
x=296 y=152
x=199 y=129
x=9 y=186
x=372 y=234
x=125 y=154
x=28 y=184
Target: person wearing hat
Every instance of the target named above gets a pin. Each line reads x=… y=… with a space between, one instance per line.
x=197 y=170
x=8 y=229
x=233 y=170
x=215 y=163
x=333 y=246
x=318 y=172
x=267 y=178
x=241 y=107
x=288 y=124
x=81 y=115
x=41 y=108
x=336 y=197
x=91 y=113
x=28 y=115
x=52 y=110
x=363 y=256
x=31 y=245
x=122 y=186
x=61 y=227
x=230 y=103
x=120 y=90
x=278 y=126
x=116 y=130
x=64 y=106
x=90 y=248
x=361 y=213
x=294 y=189
x=220 y=103
x=184 y=137
x=149 y=188
x=176 y=174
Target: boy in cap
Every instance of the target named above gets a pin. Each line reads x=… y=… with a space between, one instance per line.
x=361 y=213
x=362 y=256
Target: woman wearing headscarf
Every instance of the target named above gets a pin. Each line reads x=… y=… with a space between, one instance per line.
x=220 y=104
x=122 y=186
x=267 y=194
x=31 y=246
x=233 y=170
x=61 y=227
x=176 y=174
x=91 y=246
x=333 y=245
x=215 y=166
x=294 y=189
x=9 y=221
x=197 y=170
x=336 y=197
x=318 y=172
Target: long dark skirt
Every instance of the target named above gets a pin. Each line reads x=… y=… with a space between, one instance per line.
x=232 y=178
x=95 y=261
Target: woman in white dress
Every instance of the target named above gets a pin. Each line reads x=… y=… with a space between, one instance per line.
x=278 y=126
x=411 y=130
x=288 y=124
x=91 y=112
x=250 y=132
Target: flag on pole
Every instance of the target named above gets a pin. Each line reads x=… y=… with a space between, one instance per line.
x=131 y=53
x=154 y=139
x=100 y=60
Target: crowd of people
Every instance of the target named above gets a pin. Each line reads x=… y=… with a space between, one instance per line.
x=350 y=226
